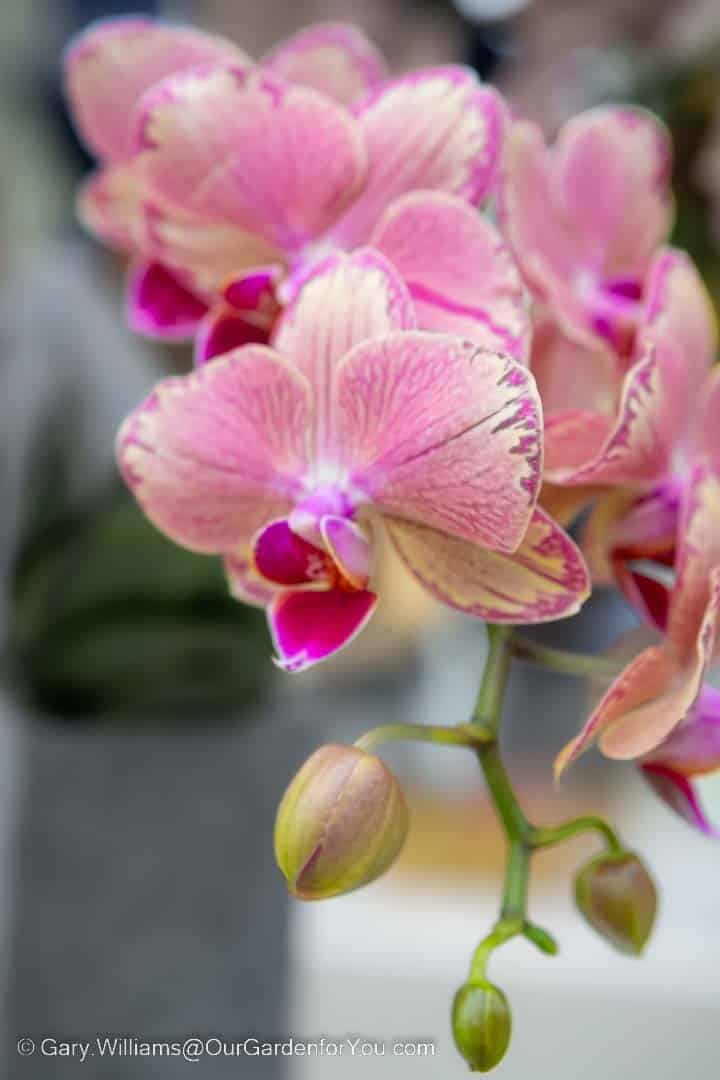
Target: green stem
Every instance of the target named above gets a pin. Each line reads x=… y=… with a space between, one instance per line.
x=550 y=835
x=564 y=662
x=462 y=735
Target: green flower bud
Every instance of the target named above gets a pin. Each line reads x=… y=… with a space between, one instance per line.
x=481 y=1025
x=341 y=823
x=616 y=895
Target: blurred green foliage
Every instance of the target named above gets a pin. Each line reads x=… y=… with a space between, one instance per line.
x=110 y=620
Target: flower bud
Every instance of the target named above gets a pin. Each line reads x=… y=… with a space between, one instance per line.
x=481 y=1025
x=617 y=896
x=341 y=823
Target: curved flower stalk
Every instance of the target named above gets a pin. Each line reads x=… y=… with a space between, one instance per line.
x=229 y=181
x=286 y=461
x=585 y=217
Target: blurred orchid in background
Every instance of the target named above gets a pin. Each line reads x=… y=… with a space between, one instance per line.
x=229 y=181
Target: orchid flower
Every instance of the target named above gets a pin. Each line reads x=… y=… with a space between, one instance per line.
x=229 y=181
x=287 y=461
x=585 y=217
x=658 y=693
x=627 y=442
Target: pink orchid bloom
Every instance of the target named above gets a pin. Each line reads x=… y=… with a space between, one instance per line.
x=671 y=427
x=657 y=695
x=287 y=460
x=626 y=431
x=229 y=181
x=676 y=767
x=585 y=217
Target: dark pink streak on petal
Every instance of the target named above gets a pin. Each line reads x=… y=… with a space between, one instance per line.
x=225 y=330
x=679 y=794
x=252 y=291
x=283 y=557
x=310 y=626
x=160 y=306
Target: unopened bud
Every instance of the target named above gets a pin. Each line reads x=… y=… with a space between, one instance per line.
x=617 y=896
x=481 y=1025
x=341 y=823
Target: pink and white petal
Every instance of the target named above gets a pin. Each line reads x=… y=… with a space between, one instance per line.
x=308 y=627
x=214 y=455
x=544 y=579
x=346 y=300
x=646 y=679
x=282 y=557
x=350 y=546
x=208 y=254
x=638 y=448
x=438 y=129
x=612 y=176
x=679 y=316
x=460 y=275
x=159 y=305
x=111 y=64
x=654 y=694
x=544 y=243
x=706 y=430
x=693 y=748
x=244 y=582
x=677 y=792
x=599 y=532
x=236 y=146
x=572 y=377
x=335 y=58
x=697 y=560
x=572 y=440
x=224 y=329
x=440 y=432
x=109 y=206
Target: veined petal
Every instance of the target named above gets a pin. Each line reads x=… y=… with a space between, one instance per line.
x=437 y=129
x=111 y=64
x=679 y=319
x=680 y=795
x=208 y=254
x=346 y=300
x=572 y=440
x=698 y=558
x=442 y=433
x=693 y=748
x=459 y=273
x=613 y=177
x=544 y=579
x=572 y=378
x=307 y=627
x=637 y=449
x=335 y=58
x=214 y=455
x=160 y=306
x=654 y=694
x=224 y=329
x=235 y=146
x=590 y=210
x=109 y=206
